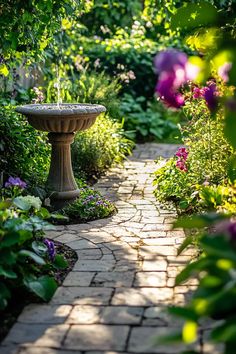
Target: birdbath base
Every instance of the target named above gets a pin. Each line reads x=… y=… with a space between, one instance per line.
x=61 y=181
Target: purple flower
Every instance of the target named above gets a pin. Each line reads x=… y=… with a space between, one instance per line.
x=51 y=249
x=15 y=182
x=182 y=153
x=174 y=71
x=170 y=60
x=210 y=95
x=228 y=228
x=166 y=91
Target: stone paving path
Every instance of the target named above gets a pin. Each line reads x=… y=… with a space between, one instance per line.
x=114 y=299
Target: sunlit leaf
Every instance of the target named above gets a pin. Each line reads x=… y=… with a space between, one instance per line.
x=187 y=241
x=192 y=16
x=4 y=70
x=189 y=332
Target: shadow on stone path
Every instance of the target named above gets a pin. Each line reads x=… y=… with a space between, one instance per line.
x=114 y=299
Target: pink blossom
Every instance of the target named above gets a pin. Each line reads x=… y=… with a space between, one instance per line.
x=174 y=71
x=180 y=164
x=182 y=153
x=167 y=93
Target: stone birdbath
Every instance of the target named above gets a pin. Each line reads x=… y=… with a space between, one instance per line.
x=61 y=121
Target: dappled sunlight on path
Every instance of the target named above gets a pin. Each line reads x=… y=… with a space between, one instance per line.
x=114 y=299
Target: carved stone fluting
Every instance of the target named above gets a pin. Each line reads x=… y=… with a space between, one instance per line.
x=61 y=180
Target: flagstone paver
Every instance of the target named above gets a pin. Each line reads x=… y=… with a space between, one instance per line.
x=114 y=300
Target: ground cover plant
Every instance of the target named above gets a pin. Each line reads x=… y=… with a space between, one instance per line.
x=90 y=205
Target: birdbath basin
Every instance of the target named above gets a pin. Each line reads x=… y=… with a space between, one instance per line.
x=61 y=122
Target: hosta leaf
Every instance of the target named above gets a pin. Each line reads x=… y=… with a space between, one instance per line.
x=21 y=204
x=40 y=248
x=26 y=253
x=7 y=273
x=44 y=287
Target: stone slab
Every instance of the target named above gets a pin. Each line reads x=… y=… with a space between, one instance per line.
x=96 y=337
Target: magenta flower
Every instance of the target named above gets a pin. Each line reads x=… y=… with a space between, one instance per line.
x=182 y=153
x=167 y=93
x=180 y=164
x=174 y=71
x=15 y=182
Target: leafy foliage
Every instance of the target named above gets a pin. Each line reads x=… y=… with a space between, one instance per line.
x=24 y=258
x=214 y=296
x=153 y=123
x=23 y=150
x=29 y=25
x=97 y=148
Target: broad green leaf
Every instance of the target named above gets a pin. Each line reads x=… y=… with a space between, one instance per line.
x=44 y=287
x=188 y=241
x=191 y=16
x=40 y=248
x=218 y=246
x=192 y=268
x=4 y=295
x=7 y=257
x=21 y=204
x=183 y=312
x=199 y=221
x=183 y=204
x=7 y=273
x=60 y=262
x=25 y=253
x=10 y=239
x=226 y=332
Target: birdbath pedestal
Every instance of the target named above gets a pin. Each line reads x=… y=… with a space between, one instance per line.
x=61 y=122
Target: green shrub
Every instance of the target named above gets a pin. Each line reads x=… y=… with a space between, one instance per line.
x=90 y=205
x=153 y=123
x=97 y=148
x=24 y=151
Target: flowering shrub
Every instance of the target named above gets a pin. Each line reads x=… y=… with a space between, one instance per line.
x=206 y=157
x=88 y=206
